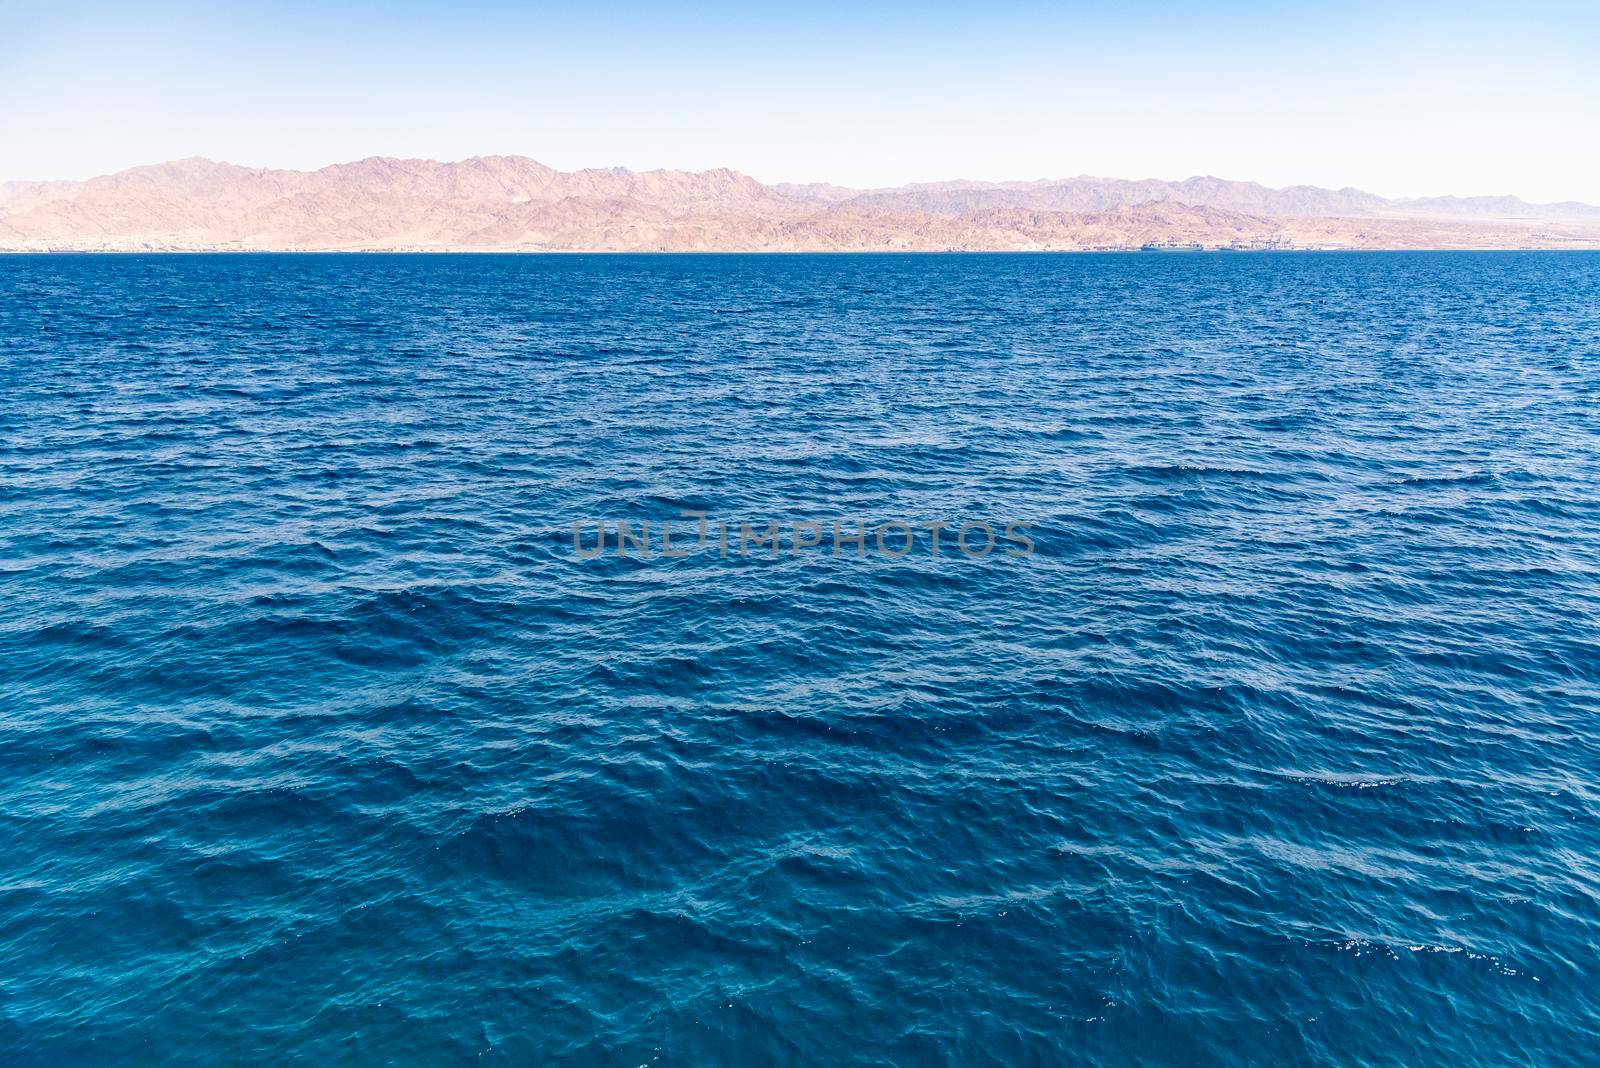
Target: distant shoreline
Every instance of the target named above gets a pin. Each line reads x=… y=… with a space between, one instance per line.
x=1143 y=253
x=512 y=204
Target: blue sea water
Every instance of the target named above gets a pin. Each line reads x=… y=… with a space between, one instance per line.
x=320 y=744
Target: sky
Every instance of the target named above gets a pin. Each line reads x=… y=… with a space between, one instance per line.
x=1400 y=98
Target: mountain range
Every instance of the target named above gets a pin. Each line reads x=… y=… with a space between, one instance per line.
x=495 y=203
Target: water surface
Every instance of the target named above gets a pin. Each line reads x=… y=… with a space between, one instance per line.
x=319 y=745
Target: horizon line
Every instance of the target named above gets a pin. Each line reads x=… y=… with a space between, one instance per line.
x=774 y=184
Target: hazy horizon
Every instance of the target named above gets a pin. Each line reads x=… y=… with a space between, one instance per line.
x=1407 y=100
x=926 y=181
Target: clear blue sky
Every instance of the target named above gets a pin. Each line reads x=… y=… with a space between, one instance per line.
x=1400 y=98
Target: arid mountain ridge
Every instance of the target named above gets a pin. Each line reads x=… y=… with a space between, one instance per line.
x=494 y=203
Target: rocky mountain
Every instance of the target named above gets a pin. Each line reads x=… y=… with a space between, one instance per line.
x=515 y=203
x=1086 y=193
x=1493 y=208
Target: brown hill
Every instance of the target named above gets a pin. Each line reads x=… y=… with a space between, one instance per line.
x=515 y=203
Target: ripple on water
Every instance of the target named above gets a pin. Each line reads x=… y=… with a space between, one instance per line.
x=320 y=745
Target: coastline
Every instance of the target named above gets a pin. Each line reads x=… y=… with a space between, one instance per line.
x=468 y=251
x=517 y=205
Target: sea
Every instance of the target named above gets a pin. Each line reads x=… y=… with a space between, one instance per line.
x=600 y=659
